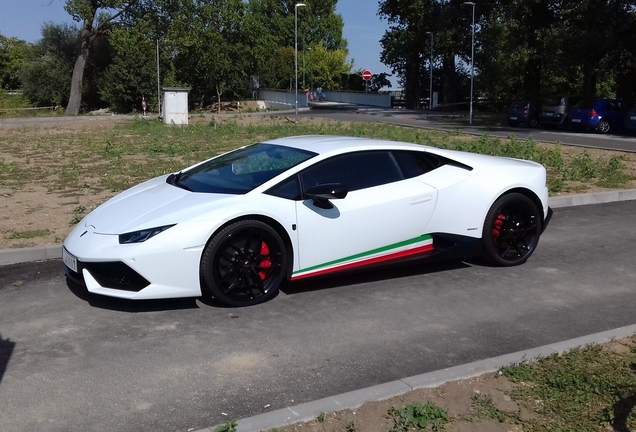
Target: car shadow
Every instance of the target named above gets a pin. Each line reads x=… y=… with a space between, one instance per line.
x=6 y=350
x=131 y=306
x=381 y=273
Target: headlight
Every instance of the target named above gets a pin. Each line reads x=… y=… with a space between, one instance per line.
x=142 y=235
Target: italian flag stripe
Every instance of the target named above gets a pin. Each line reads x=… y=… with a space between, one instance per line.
x=408 y=248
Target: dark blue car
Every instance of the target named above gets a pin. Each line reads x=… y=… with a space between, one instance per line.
x=524 y=111
x=602 y=115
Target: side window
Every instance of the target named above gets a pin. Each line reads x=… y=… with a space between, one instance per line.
x=414 y=164
x=287 y=189
x=355 y=170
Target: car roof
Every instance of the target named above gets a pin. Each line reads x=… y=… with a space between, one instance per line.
x=325 y=144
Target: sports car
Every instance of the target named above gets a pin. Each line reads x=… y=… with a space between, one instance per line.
x=236 y=226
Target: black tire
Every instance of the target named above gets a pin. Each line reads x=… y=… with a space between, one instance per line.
x=244 y=263
x=533 y=123
x=604 y=127
x=511 y=230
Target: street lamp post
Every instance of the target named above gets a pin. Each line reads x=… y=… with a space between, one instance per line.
x=296 y=6
x=430 y=98
x=472 y=62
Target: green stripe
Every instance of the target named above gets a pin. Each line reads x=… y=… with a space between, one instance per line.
x=371 y=252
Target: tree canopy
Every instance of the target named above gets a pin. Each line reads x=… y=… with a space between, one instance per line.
x=533 y=48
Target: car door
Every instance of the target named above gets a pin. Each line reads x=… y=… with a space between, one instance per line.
x=383 y=216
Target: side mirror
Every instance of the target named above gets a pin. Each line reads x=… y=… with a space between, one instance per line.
x=322 y=193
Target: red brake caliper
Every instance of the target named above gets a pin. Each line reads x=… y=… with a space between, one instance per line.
x=265 y=261
x=496 y=231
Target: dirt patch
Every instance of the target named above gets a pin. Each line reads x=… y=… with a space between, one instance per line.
x=469 y=404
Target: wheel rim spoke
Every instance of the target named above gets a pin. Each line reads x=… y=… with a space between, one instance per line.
x=514 y=232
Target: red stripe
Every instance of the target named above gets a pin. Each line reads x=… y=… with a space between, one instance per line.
x=385 y=258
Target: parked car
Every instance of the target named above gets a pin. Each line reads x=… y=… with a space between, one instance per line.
x=237 y=225
x=630 y=121
x=524 y=111
x=556 y=110
x=602 y=115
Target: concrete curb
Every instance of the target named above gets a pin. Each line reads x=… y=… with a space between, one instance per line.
x=16 y=256
x=351 y=400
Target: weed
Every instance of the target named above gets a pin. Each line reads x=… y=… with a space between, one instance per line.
x=351 y=427
x=321 y=418
x=226 y=427
x=419 y=417
x=29 y=234
x=78 y=214
x=484 y=408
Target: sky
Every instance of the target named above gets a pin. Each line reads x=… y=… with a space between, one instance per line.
x=363 y=29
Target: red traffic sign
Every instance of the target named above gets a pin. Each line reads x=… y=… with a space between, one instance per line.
x=366 y=75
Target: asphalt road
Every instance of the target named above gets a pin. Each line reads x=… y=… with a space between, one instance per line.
x=422 y=119
x=70 y=361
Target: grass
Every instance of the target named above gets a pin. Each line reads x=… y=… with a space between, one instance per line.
x=582 y=390
x=29 y=234
x=120 y=157
x=416 y=416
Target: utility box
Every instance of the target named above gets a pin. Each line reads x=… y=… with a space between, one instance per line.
x=175 y=105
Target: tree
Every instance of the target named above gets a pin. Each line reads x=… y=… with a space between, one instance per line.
x=14 y=54
x=206 y=38
x=132 y=71
x=327 y=67
x=93 y=26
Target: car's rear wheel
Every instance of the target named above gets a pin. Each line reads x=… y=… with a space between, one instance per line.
x=511 y=230
x=533 y=122
x=244 y=263
x=604 y=126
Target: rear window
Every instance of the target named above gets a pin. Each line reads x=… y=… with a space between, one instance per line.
x=586 y=103
x=556 y=101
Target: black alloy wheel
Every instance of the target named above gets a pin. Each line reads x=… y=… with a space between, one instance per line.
x=511 y=230
x=244 y=263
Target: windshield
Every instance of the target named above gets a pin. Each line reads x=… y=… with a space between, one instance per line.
x=240 y=171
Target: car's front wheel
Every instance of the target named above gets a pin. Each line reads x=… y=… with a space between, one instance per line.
x=244 y=263
x=511 y=230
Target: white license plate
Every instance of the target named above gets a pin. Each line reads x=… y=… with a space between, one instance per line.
x=576 y=120
x=69 y=260
x=548 y=114
x=513 y=118
x=632 y=118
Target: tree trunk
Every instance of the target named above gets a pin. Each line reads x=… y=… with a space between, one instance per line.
x=411 y=81
x=75 y=98
x=449 y=95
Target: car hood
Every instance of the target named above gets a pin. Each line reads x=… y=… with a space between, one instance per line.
x=148 y=205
